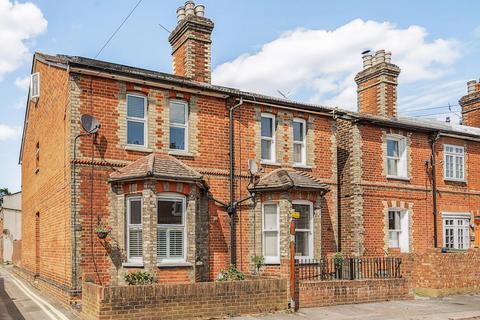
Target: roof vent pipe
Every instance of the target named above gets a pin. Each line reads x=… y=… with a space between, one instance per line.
x=200 y=10
x=189 y=8
x=471 y=86
x=180 y=14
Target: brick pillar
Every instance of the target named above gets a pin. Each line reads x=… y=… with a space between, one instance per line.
x=470 y=104
x=191 y=43
x=377 y=85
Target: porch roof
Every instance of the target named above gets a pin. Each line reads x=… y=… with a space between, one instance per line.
x=286 y=179
x=159 y=166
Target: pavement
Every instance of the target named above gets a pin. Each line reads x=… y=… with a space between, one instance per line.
x=20 y=301
x=466 y=307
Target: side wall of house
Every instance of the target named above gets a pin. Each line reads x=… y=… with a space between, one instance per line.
x=46 y=224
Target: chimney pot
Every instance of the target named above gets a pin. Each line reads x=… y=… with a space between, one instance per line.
x=180 y=14
x=379 y=57
x=471 y=86
x=189 y=8
x=388 y=57
x=200 y=10
x=367 y=60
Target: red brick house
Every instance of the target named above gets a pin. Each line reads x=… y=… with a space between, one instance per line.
x=406 y=184
x=158 y=170
x=168 y=168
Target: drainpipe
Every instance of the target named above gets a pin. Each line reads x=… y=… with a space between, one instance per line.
x=232 y=206
x=434 y=189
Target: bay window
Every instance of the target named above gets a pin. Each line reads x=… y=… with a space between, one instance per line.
x=271 y=233
x=134 y=230
x=171 y=228
x=136 y=120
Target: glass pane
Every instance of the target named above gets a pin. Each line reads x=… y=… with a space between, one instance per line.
x=135 y=107
x=177 y=113
x=177 y=138
x=271 y=243
x=266 y=149
x=304 y=221
x=449 y=166
x=176 y=243
x=270 y=214
x=135 y=243
x=135 y=212
x=169 y=212
x=161 y=243
x=392 y=166
x=135 y=133
x=267 y=127
x=298 y=131
x=297 y=153
x=301 y=243
x=393 y=239
x=392 y=148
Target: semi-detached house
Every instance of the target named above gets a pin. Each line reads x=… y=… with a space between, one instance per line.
x=169 y=171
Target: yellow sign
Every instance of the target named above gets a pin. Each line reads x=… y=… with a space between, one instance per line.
x=295 y=215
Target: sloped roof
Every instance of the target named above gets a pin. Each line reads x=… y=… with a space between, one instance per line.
x=285 y=179
x=156 y=165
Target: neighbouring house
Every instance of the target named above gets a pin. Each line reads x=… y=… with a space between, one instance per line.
x=10 y=227
x=192 y=177
x=406 y=184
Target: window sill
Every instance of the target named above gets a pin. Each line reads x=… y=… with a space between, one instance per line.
x=398 y=178
x=138 y=148
x=302 y=166
x=270 y=163
x=132 y=265
x=455 y=180
x=180 y=153
x=272 y=263
x=173 y=264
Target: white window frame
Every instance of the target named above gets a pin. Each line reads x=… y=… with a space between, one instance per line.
x=271 y=259
x=272 y=139
x=34 y=95
x=138 y=260
x=179 y=125
x=303 y=143
x=402 y=159
x=143 y=120
x=454 y=156
x=310 y=231
x=466 y=217
x=175 y=197
x=403 y=234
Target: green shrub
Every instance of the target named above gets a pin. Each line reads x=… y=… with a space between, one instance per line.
x=140 y=278
x=338 y=259
x=231 y=274
x=258 y=262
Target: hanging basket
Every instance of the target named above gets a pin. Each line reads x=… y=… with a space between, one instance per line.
x=102 y=234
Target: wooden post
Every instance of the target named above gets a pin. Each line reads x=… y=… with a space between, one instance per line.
x=293 y=304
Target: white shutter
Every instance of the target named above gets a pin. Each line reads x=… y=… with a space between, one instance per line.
x=161 y=243
x=135 y=242
x=176 y=243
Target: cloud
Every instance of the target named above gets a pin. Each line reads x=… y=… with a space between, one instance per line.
x=23 y=83
x=9 y=132
x=319 y=65
x=19 y=23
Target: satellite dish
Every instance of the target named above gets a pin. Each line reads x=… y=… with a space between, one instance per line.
x=252 y=167
x=89 y=123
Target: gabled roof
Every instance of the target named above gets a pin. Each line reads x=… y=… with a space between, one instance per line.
x=159 y=166
x=287 y=179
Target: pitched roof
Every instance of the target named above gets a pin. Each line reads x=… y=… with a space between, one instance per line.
x=285 y=179
x=157 y=165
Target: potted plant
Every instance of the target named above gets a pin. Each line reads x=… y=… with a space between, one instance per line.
x=103 y=231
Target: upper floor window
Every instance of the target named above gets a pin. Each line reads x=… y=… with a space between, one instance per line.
x=171 y=228
x=134 y=230
x=303 y=229
x=456 y=231
x=299 y=141
x=268 y=137
x=396 y=157
x=271 y=233
x=35 y=85
x=454 y=162
x=178 y=125
x=136 y=120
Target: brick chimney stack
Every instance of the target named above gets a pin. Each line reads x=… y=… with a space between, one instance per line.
x=377 y=85
x=191 y=43
x=470 y=104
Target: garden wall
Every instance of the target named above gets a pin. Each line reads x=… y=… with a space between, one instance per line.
x=184 y=301
x=438 y=274
x=320 y=293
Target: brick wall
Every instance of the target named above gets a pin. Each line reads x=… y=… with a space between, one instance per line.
x=326 y=293
x=184 y=301
x=438 y=274
x=17 y=252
